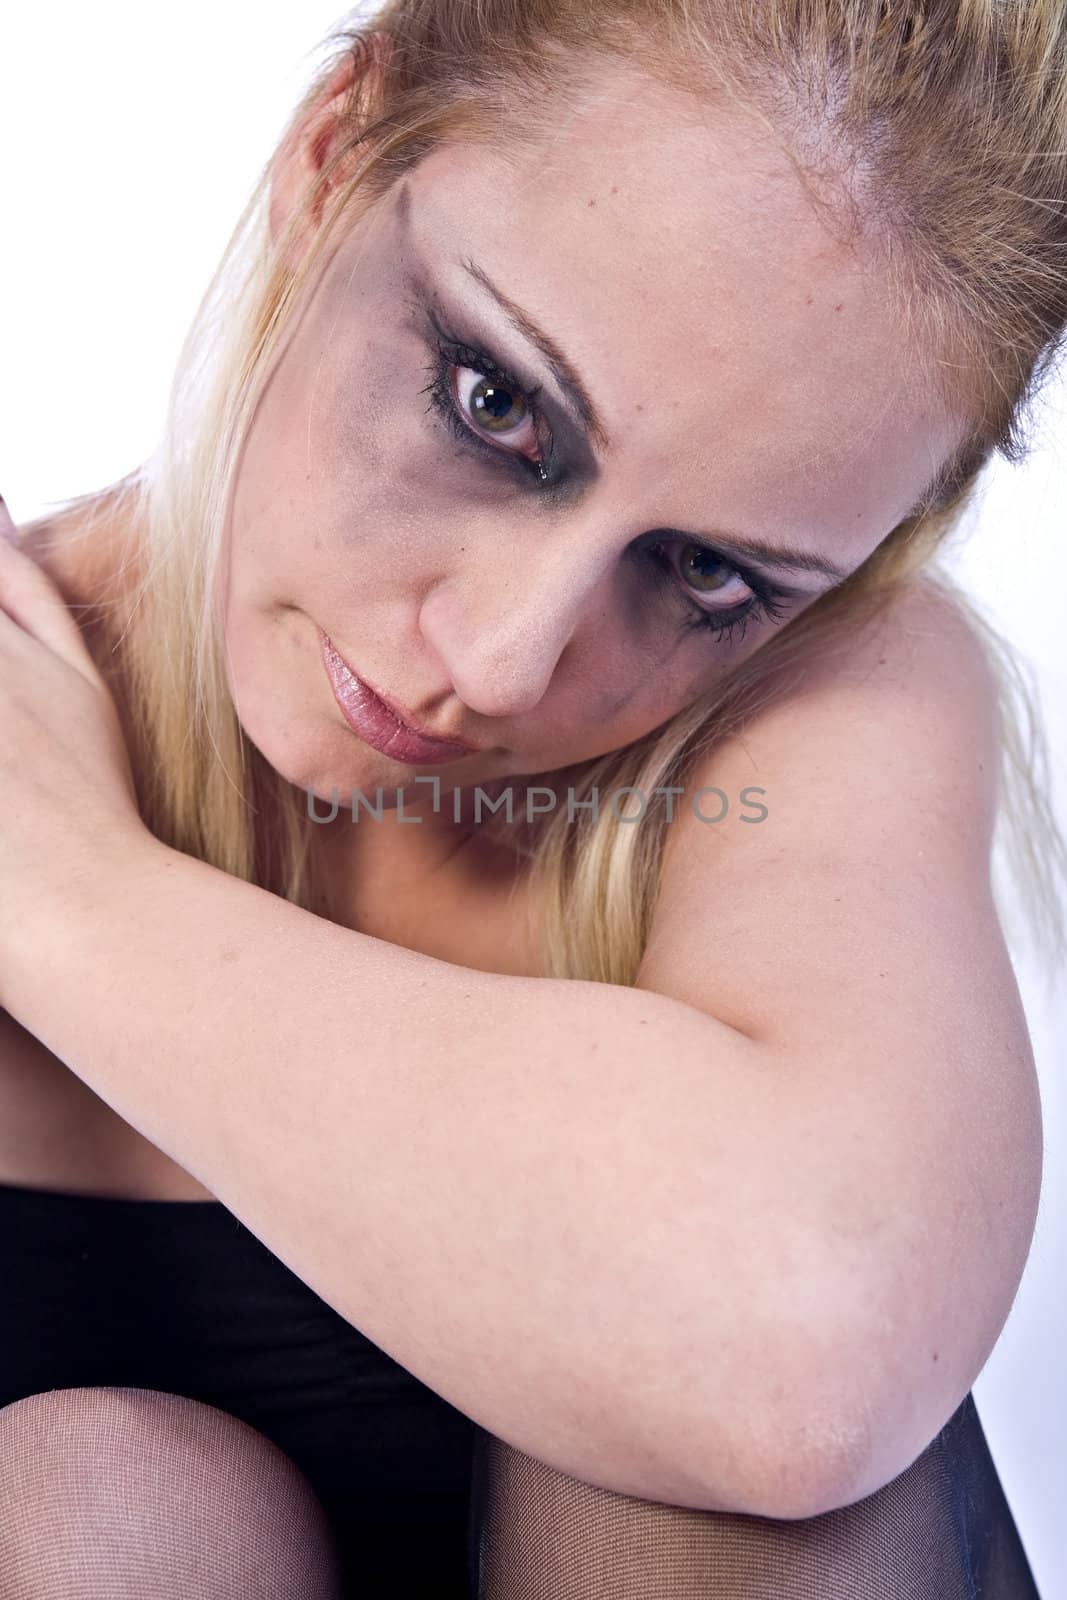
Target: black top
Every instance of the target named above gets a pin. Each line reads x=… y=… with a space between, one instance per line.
x=179 y=1296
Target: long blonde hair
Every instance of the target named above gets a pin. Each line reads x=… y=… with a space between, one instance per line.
x=952 y=113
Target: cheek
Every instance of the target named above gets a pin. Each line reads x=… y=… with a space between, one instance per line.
x=321 y=492
x=384 y=480
x=349 y=477
x=390 y=454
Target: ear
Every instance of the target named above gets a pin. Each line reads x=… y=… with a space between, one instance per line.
x=307 y=147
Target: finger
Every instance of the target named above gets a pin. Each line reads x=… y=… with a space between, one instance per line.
x=30 y=598
x=7 y=526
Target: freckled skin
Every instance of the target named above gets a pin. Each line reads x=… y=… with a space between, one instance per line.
x=751 y=376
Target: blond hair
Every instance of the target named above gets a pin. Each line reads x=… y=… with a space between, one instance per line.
x=953 y=113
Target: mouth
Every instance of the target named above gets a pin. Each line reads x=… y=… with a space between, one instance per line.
x=375 y=721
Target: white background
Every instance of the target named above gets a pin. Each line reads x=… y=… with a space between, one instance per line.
x=130 y=136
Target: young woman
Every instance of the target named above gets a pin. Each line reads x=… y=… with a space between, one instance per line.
x=573 y=423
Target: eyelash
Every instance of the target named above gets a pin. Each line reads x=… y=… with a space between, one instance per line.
x=454 y=353
x=450 y=353
x=765 y=601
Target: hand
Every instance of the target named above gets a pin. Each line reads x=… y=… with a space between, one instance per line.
x=67 y=797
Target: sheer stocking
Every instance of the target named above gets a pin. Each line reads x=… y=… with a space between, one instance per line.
x=133 y=1494
x=111 y=1494
x=940 y=1531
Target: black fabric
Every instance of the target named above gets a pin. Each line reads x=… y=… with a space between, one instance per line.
x=179 y=1297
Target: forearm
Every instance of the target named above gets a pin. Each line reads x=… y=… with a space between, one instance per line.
x=536 y=1195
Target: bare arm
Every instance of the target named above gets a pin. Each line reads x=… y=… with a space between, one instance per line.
x=854 y=935
x=619 y=1232
x=512 y=1185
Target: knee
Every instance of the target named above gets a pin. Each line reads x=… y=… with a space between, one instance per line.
x=159 y=1494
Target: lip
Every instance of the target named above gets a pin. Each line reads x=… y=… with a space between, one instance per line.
x=373 y=719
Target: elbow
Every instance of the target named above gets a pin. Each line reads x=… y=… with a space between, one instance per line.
x=788 y=1469
x=800 y=1460
x=811 y=1467
x=785 y=1440
x=845 y=1415
x=803 y=1430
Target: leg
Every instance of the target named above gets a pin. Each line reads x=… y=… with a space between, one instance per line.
x=942 y=1530
x=133 y=1494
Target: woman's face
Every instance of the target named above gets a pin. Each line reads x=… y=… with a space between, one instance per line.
x=425 y=484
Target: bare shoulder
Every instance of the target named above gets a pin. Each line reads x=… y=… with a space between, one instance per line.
x=891 y=725
x=81 y=550
x=868 y=781
x=922 y=656
x=62 y=551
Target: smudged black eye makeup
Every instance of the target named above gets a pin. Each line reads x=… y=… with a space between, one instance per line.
x=762 y=603
x=495 y=413
x=488 y=410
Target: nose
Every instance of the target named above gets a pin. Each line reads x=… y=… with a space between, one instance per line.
x=500 y=630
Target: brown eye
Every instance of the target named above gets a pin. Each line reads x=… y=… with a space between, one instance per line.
x=495 y=406
x=476 y=398
x=487 y=405
x=694 y=563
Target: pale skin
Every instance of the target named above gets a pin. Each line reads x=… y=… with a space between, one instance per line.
x=704 y=1240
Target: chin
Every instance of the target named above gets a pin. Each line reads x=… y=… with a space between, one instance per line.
x=328 y=767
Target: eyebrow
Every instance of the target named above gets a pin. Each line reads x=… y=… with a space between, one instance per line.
x=562 y=369
x=772 y=555
x=573 y=386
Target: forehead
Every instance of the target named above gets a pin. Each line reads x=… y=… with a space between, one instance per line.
x=728 y=337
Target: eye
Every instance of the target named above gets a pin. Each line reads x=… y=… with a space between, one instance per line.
x=700 y=571
x=483 y=405
x=496 y=408
x=689 y=569
x=709 y=574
